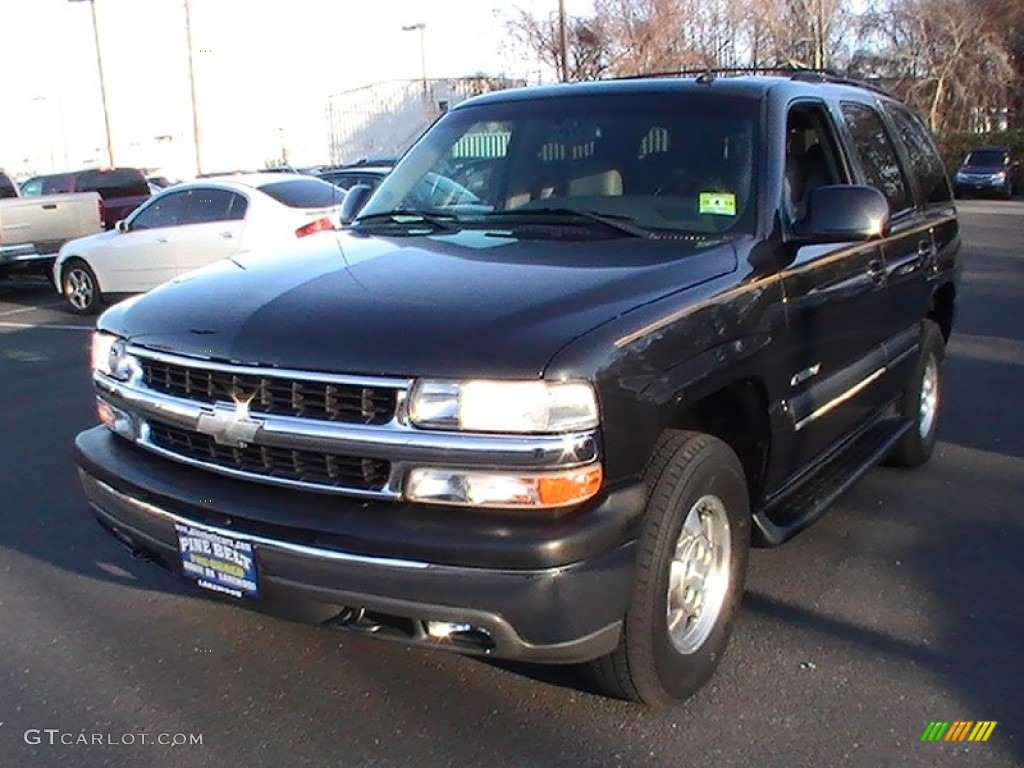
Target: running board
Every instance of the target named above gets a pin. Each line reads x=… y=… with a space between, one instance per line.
x=787 y=515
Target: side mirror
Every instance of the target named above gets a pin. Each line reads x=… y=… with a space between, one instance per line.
x=121 y=226
x=844 y=212
x=354 y=201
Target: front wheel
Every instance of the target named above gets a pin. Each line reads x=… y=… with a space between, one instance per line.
x=922 y=401
x=80 y=288
x=691 y=564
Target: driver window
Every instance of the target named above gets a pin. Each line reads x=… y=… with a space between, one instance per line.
x=163 y=211
x=811 y=158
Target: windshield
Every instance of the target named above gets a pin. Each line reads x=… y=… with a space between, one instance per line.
x=664 y=161
x=986 y=157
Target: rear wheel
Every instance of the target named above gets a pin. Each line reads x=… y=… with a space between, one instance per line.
x=80 y=288
x=922 y=402
x=691 y=563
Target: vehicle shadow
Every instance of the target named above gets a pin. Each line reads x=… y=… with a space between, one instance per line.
x=27 y=291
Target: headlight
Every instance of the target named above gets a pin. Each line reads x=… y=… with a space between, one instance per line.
x=504 y=406
x=110 y=358
x=1001 y=176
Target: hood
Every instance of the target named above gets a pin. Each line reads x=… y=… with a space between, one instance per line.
x=466 y=304
x=80 y=244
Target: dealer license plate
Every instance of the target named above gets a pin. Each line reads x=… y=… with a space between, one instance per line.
x=218 y=563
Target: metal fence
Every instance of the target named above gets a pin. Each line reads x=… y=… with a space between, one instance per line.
x=384 y=119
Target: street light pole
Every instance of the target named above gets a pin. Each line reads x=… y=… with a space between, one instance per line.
x=103 y=84
x=192 y=88
x=422 y=28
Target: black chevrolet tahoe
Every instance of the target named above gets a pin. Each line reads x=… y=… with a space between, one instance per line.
x=579 y=350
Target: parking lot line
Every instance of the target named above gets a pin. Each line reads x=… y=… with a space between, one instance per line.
x=56 y=327
x=9 y=312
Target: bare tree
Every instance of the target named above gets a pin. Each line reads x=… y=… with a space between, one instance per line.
x=948 y=57
x=588 y=43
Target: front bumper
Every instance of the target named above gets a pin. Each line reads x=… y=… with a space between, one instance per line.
x=548 y=591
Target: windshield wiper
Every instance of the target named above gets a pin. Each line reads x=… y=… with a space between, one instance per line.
x=619 y=223
x=442 y=222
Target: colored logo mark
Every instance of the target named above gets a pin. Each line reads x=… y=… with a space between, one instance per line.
x=959 y=730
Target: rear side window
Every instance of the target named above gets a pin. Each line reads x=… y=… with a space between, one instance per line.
x=925 y=164
x=304 y=193
x=877 y=155
x=7 y=188
x=118 y=182
x=206 y=205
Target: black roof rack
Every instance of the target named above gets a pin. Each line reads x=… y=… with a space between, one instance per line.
x=800 y=74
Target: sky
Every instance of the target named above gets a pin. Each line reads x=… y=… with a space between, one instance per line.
x=263 y=71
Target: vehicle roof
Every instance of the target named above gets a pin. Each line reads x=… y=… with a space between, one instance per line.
x=246 y=181
x=753 y=86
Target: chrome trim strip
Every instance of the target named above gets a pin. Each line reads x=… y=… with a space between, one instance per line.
x=262 y=541
x=278 y=373
x=902 y=356
x=840 y=399
x=393 y=441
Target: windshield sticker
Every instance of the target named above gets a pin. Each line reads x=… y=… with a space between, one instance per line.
x=718 y=203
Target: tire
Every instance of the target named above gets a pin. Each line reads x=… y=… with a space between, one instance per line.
x=922 y=401
x=691 y=477
x=80 y=287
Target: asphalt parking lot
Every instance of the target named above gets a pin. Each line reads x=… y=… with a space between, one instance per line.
x=902 y=606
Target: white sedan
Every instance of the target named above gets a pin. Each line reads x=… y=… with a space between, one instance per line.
x=189 y=226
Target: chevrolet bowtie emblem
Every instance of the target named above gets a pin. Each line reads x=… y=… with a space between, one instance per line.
x=229 y=425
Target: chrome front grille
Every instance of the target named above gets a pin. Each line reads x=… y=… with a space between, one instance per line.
x=310 y=467
x=283 y=396
x=332 y=433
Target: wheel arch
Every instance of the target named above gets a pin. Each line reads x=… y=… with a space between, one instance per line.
x=943 y=308
x=738 y=415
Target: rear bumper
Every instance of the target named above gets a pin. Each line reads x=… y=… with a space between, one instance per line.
x=563 y=613
x=24 y=257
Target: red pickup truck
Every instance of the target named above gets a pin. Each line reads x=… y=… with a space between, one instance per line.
x=121 y=189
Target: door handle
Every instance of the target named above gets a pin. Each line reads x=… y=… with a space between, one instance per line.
x=926 y=252
x=161 y=239
x=876 y=271
x=49 y=206
x=227 y=235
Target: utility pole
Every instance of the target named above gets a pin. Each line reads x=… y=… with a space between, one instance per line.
x=563 y=38
x=192 y=88
x=103 y=85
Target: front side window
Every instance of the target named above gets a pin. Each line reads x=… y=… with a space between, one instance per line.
x=57 y=184
x=925 y=163
x=678 y=161
x=877 y=155
x=32 y=188
x=168 y=210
